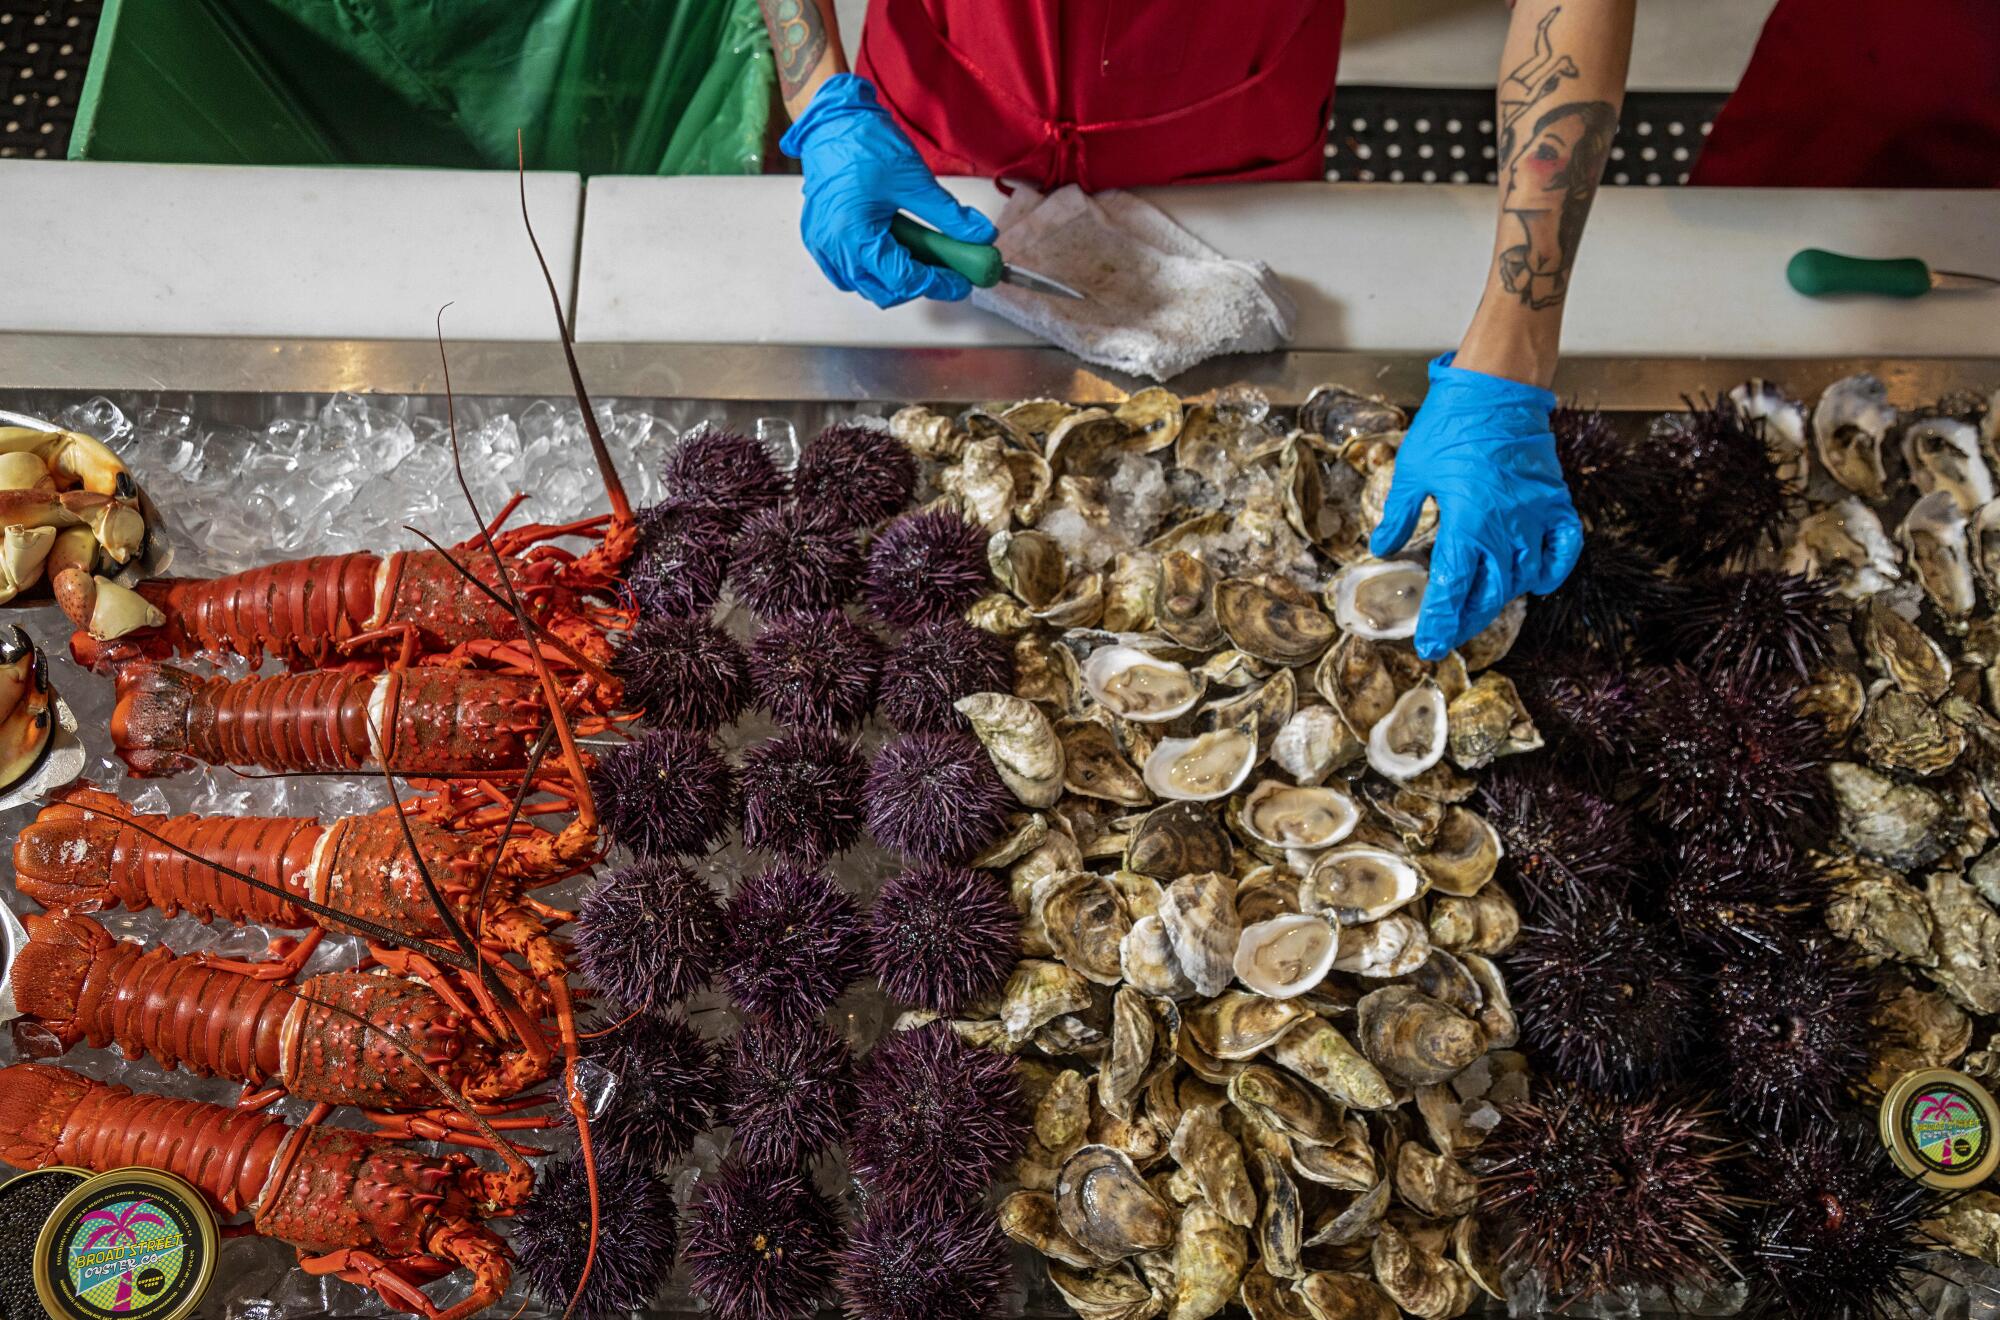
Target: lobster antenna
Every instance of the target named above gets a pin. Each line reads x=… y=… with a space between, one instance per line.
x=559 y=718
x=374 y=931
x=475 y=958
x=613 y=487
x=514 y=805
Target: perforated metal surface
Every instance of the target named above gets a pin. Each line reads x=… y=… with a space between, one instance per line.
x=1445 y=135
x=44 y=49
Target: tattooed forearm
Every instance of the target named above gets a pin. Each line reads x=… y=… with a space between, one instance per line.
x=1552 y=152
x=798 y=39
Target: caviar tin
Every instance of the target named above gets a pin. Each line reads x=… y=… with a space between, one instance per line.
x=131 y=1244
x=1941 y=1128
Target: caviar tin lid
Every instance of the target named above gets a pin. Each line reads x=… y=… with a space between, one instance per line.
x=1941 y=1128
x=126 y=1245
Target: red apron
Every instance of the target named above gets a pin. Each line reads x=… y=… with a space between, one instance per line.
x=1865 y=94
x=1109 y=93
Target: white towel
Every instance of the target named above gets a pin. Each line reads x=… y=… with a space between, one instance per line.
x=1158 y=299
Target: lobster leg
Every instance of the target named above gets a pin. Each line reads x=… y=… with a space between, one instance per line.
x=290 y=958
x=370 y=1271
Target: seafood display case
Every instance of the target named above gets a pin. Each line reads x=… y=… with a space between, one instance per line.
x=1312 y=856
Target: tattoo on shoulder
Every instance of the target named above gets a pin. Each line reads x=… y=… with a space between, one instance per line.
x=798 y=39
x=1553 y=155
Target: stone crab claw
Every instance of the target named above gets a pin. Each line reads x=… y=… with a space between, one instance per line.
x=26 y=723
x=73 y=458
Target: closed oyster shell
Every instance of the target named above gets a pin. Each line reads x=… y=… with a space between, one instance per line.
x=1211 y=1256
x=1095 y=766
x=1490 y=645
x=1353 y=1220
x=1062 y=1115
x=1264 y=623
x=1427 y=1286
x=1137 y=685
x=1039 y=992
x=1316 y=1051
x=1286 y=955
x=1496 y=1005
x=1264 y=708
x=1396 y=945
x=1901 y=651
x=1087 y=922
x=1199 y=913
x=1412 y=737
x=1107 y=1208
x=1901 y=732
x=1265 y=893
x=1285 y=1103
x=1123 y=1075
x=1202 y=768
x=1146 y=957
x=1433 y=1184
x=1380 y=599
x=1355 y=679
x=1880 y=913
x=1281 y=1217
x=1347 y=1165
x=1206 y=1151
x=1486 y=922
x=1108 y=1292
x=1178 y=839
x=1414 y=1038
x=1020 y=742
x=1030 y=1218
x=1465 y=851
x=1967 y=934
x=1184 y=601
x=1238 y=1024
x=1836 y=699
x=926 y=433
x=1330 y=1296
x=1488 y=721
x=1905 y=826
x=1313 y=744
x=1129 y=589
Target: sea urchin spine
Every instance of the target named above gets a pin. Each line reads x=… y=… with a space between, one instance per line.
x=796 y=941
x=816 y=671
x=668 y=792
x=683 y=673
x=802 y=795
x=935 y=797
x=726 y=471
x=933 y=666
x=791 y=1091
x=857 y=474
x=760 y=1244
x=636 y=1229
x=649 y=933
x=682 y=560
x=669 y=1088
x=938 y=1120
x=906 y=1264
x=790 y=559
x=925 y=566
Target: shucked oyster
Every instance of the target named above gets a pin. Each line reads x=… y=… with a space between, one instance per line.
x=1845 y=542
x=1934 y=537
x=1286 y=955
x=1943 y=454
x=1784 y=427
x=1850 y=423
x=1135 y=685
x=1284 y=816
x=1379 y=600
x=1412 y=737
x=1354 y=884
x=1201 y=768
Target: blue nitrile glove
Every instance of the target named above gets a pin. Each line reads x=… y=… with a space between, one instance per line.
x=1481 y=447
x=860 y=170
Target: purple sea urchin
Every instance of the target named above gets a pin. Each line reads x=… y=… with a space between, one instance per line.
x=924 y=566
x=1609 y=478
x=667 y=792
x=934 y=665
x=789 y=559
x=1729 y=756
x=938 y=1120
x=1615 y=590
x=1585 y=706
x=1732 y=902
x=1759 y=622
x=857 y=474
x=791 y=1090
x=682 y=560
x=942 y=936
x=802 y=795
x=1607 y=1001
x=760 y=1243
x=1727 y=500
x=649 y=933
x=636 y=1227
x=1791 y=1031
x=935 y=797
x=1598 y=1194
x=683 y=673
x=1841 y=1230
x=796 y=941
x=1559 y=842
x=905 y=1264
x=669 y=1088
x=722 y=470
x=816 y=671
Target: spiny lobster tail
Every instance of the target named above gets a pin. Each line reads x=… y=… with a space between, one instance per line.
x=36 y=1101
x=48 y=975
x=150 y=718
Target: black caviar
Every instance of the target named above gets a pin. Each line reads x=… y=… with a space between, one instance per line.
x=25 y=1205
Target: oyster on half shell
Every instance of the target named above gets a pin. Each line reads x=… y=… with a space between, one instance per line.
x=1137 y=685
x=1355 y=884
x=1934 y=537
x=1943 y=454
x=1202 y=768
x=1286 y=955
x=1282 y=815
x=1379 y=600
x=1845 y=542
x=1412 y=737
x=1850 y=422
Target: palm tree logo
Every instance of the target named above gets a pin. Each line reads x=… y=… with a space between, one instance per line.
x=1941 y=1108
x=117 y=1228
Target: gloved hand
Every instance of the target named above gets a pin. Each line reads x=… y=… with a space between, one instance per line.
x=1481 y=447
x=860 y=170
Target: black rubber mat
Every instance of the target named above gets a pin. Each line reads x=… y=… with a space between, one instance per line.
x=44 y=50
x=1445 y=135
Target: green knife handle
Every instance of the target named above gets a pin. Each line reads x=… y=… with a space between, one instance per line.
x=1816 y=273
x=980 y=263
